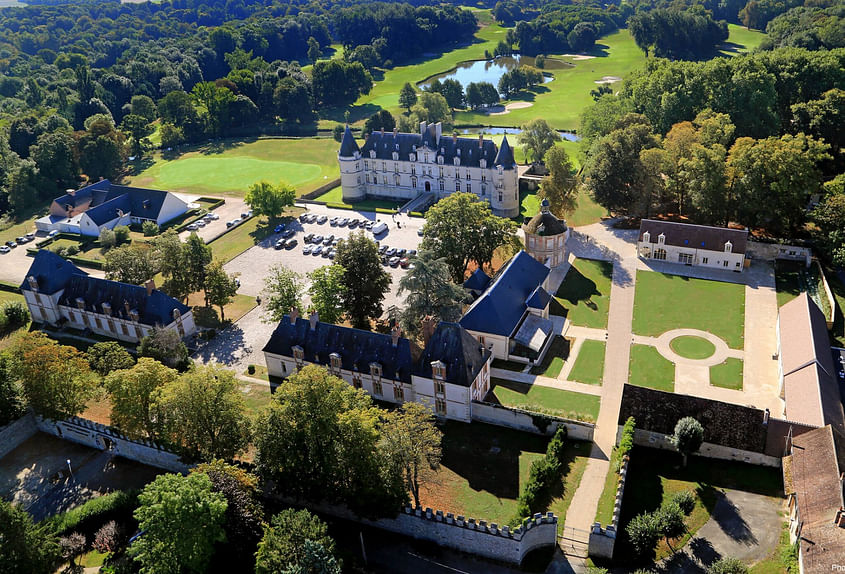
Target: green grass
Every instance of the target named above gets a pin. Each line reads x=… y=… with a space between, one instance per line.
x=741 y=40
x=8 y=297
x=584 y=295
x=607 y=500
x=586 y=212
x=547 y=400
x=209 y=317
x=783 y=560
x=255 y=396
x=589 y=364
x=664 y=302
x=484 y=467
x=555 y=357
x=651 y=369
x=727 y=375
x=335 y=195
x=692 y=347
x=837 y=334
x=229 y=167
x=655 y=475
x=793 y=278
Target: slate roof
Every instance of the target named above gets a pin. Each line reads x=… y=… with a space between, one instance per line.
x=95 y=193
x=478 y=280
x=539 y=298
x=505 y=155
x=106 y=198
x=51 y=272
x=154 y=309
x=357 y=348
x=348 y=146
x=695 y=236
x=817 y=462
x=462 y=354
x=110 y=210
x=500 y=308
x=471 y=153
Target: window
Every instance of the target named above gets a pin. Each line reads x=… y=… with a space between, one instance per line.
x=414 y=181
x=413 y=170
x=384 y=166
x=356 y=381
x=439 y=387
x=377 y=388
x=368 y=178
x=298 y=355
x=124 y=329
x=661 y=239
x=728 y=247
x=469 y=188
x=457 y=185
x=384 y=179
x=399 y=393
x=38 y=299
x=334 y=363
x=468 y=177
x=357 y=166
x=375 y=370
x=395 y=167
x=36 y=312
x=500 y=196
x=138 y=334
x=438 y=370
x=724 y=263
x=646 y=237
x=483 y=176
x=737 y=264
x=366 y=164
x=483 y=189
x=426 y=158
x=396 y=179
x=97 y=322
x=441 y=171
x=660 y=254
x=440 y=406
x=685 y=258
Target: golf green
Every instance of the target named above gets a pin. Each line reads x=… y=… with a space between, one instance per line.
x=233 y=173
x=692 y=347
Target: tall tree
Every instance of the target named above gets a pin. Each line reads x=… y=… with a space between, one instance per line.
x=430 y=291
x=101 y=148
x=828 y=217
x=461 y=228
x=165 y=346
x=133 y=264
x=181 y=520
x=206 y=413
x=134 y=396
x=326 y=291
x=381 y=120
x=283 y=544
x=172 y=256
x=688 y=436
x=11 y=395
x=561 y=186
x=407 y=96
x=338 y=83
x=537 y=137
x=108 y=356
x=365 y=288
x=53 y=153
x=413 y=445
x=220 y=286
x=25 y=548
x=266 y=199
x=198 y=256
x=283 y=290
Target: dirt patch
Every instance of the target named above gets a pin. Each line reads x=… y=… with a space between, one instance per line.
x=609 y=79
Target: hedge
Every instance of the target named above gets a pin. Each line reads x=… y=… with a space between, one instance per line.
x=10 y=287
x=215 y=202
x=543 y=475
x=89 y=517
x=85 y=262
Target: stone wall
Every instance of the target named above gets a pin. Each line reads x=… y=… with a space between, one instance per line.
x=14 y=434
x=603 y=540
x=662 y=441
x=773 y=251
x=531 y=422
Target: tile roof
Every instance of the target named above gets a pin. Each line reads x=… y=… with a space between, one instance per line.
x=462 y=354
x=500 y=308
x=695 y=236
x=51 y=272
x=818 y=461
x=468 y=149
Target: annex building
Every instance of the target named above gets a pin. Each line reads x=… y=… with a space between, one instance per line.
x=688 y=244
x=450 y=372
x=59 y=293
x=103 y=205
x=403 y=166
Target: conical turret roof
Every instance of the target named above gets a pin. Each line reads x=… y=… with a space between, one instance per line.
x=505 y=156
x=348 y=146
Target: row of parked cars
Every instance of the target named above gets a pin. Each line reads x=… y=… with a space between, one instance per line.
x=203 y=221
x=9 y=245
x=396 y=257
x=349 y=222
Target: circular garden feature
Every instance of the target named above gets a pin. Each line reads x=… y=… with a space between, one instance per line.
x=691 y=347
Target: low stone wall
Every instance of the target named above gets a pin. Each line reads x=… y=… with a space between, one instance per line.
x=828 y=294
x=603 y=540
x=531 y=422
x=101 y=437
x=773 y=251
x=662 y=441
x=15 y=433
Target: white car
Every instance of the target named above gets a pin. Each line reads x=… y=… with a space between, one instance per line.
x=53 y=233
x=4 y=249
x=192 y=227
x=213 y=216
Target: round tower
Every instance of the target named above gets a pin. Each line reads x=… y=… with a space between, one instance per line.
x=545 y=236
x=351 y=169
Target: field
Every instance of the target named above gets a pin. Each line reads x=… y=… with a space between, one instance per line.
x=660 y=305
x=589 y=364
x=741 y=40
x=547 y=400
x=584 y=295
x=651 y=369
x=229 y=167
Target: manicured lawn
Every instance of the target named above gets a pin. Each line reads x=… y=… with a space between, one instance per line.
x=255 y=396
x=546 y=400
x=664 y=302
x=727 y=374
x=555 y=357
x=589 y=364
x=793 y=278
x=650 y=369
x=247 y=234
x=692 y=347
x=484 y=467
x=741 y=39
x=586 y=212
x=335 y=195
x=8 y=296
x=210 y=316
x=837 y=334
x=229 y=167
x=655 y=475
x=604 y=510
x=584 y=295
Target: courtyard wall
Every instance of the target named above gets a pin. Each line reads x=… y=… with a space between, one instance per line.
x=16 y=433
x=530 y=422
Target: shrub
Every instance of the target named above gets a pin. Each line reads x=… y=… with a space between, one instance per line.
x=542 y=476
x=685 y=501
x=643 y=531
x=727 y=566
x=72 y=546
x=150 y=228
x=670 y=517
x=337 y=132
x=121 y=234
x=107 y=538
x=251 y=369
x=16 y=314
x=108 y=238
x=93 y=513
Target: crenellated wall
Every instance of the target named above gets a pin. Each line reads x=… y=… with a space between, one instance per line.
x=603 y=540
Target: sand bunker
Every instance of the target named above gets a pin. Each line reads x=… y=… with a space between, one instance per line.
x=609 y=79
x=500 y=111
x=578 y=57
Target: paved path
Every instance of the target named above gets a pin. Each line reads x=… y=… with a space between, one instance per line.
x=542 y=381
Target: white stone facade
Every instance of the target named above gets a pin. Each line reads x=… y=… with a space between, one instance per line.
x=655 y=248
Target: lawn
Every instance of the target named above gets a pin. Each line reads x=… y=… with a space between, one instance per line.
x=209 y=317
x=546 y=400
x=664 y=302
x=651 y=369
x=655 y=475
x=484 y=467
x=727 y=375
x=741 y=39
x=555 y=357
x=589 y=364
x=587 y=211
x=255 y=396
x=838 y=287
x=12 y=227
x=692 y=347
x=584 y=295
x=229 y=167
x=335 y=195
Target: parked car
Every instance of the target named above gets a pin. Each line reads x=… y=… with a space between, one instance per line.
x=30 y=236
x=379 y=228
x=4 y=249
x=412 y=253
x=394 y=262
x=318 y=249
x=369 y=225
x=288 y=233
x=385 y=259
x=327 y=251
x=404 y=262
x=420 y=231
x=332 y=254
x=303 y=218
x=390 y=252
x=317 y=239
x=353 y=223
x=11 y=244
x=307 y=249
x=213 y=216
x=308 y=237
x=335 y=241
x=342 y=222
x=401 y=253
x=200 y=223
x=192 y=227
x=333 y=220
x=328 y=240
x=280 y=244
x=208 y=216
x=53 y=233
x=322 y=219
x=279 y=228
x=21 y=240
x=291 y=243
x=382 y=249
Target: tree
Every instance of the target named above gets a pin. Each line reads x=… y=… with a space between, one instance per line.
x=108 y=538
x=145 y=107
x=461 y=228
x=536 y=138
x=198 y=256
x=670 y=517
x=413 y=445
x=101 y=148
x=313 y=49
x=72 y=546
x=364 y=290
x=16 y=314
x=828 y=217
x=53 y=153
x=206 y=413
x=727 y=566
x=25 y=548
x=582 y=37
x=133 y=264
x=171 y=510
x=244 y=514
x=452 y=90
x=431 y=107
x=135 y=394
x=407 y=96
x=220 y=286
x=11 y=395
x=266 y=199
x=643 y=531
x=561 y=186
x=139 y=128
x=169 y=250
x=150 y=228
x=319 y=440
x=108 y=356
x=215 y=102
x=283 y=543
x=56 y=379
x=689 y=434
x=293 y=101
x=283 y=290
x=338 y=83
x=430 y=292
x=24 y=184
x=315 y=560
x=326 y=291
x=381 y=120
x=165 y=346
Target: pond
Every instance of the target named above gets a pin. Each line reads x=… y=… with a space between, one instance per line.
x=492 y=70
x=493 y=131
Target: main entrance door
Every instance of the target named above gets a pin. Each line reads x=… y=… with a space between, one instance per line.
x=428 y=186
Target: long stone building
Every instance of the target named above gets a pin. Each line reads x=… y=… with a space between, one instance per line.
x=403 y=166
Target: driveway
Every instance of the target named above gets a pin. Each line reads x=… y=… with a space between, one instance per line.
x=233 y=208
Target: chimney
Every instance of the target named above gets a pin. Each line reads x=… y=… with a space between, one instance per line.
x=106 y=308
x=314 y=318
x=294 y=315
x=480 y=141
x=70 y=192
x=33 y=283
x=395 y=333
x=126 y=307
x=422 y=128
x=454 y=137
x=428 y=325
x=438 y=131
x=151 y=286
x=80 y=303
x=395 y=132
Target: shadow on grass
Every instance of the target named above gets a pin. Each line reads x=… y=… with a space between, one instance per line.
x=219 y=146
x=599 y=51
x=578 y=288
x=356 y=112
x=140 y=165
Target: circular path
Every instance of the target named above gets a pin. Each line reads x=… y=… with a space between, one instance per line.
x=721 y=352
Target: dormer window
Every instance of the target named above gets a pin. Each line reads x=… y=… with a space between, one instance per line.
x=426 y=158
x=375 y=370
x=438 y=370
x=483 y=164
x=298 y=355
x=646 y=237
x=457 y=160
x=412 y=157
x=661 y=239
x=395 y=156
x=372 y=154
x=397 y=147
x=440 y=160
x=728 y=247
x=334 y=363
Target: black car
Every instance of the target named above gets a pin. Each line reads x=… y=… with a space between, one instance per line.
x=353 y=223
x=317 y=239
x=308 y=237
x=291 y=243
x=280 y=244
x=382 y=249
x=288 y=233
x=328 y=240
x=401 y=253
x=303 y=218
